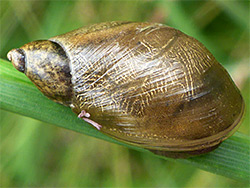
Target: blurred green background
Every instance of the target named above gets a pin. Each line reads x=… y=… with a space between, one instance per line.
x=37 y=154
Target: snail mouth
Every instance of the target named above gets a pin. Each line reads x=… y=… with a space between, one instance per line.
x=17 y=57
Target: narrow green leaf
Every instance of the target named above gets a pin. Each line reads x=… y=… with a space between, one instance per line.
x=19 y=95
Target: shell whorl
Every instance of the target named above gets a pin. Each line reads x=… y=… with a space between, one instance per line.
x=151 y=85
x=124 y=73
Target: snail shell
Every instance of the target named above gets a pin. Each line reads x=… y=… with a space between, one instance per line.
x=145 y=84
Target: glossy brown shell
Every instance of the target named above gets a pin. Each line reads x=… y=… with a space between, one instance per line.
x=151 y=85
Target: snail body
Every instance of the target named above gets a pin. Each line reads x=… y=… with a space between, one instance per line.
x=145 y=84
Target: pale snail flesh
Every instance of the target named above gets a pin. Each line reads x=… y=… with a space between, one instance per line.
x=145 y=84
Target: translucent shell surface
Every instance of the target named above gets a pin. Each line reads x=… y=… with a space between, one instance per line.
x=151 y=85
x=146 y=84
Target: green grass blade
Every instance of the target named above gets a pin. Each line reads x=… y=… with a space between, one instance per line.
x=19 y=95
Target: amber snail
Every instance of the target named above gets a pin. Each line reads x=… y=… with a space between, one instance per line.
x=145 y=84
